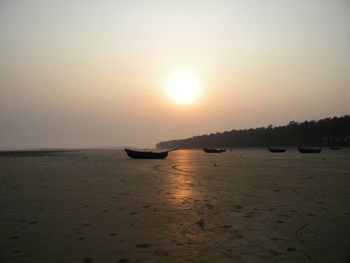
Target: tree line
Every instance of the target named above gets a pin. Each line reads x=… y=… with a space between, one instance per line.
x=324 y=132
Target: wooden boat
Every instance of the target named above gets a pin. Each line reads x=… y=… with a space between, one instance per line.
x=309 y=149
x=147 y=154
x=277 y=149
x=334 y=147
x=213 y=150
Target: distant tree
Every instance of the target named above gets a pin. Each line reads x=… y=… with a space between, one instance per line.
x=328 y=131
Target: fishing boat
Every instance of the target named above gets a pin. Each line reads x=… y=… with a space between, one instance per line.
x=309 y=149
x=213 y=150
x=334 y=147
x=147 y=154
x=277 y=149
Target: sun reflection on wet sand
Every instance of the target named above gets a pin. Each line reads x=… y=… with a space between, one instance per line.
x=181 y=180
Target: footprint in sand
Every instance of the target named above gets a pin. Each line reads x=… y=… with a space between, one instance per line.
x=209 y=206
x=225 y=226
x=283 y=215
x=277 y=239
x=160 y=252
x=275 y=252
x=144 y=245
x=200 y=224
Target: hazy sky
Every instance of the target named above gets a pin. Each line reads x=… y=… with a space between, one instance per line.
x=92 y=73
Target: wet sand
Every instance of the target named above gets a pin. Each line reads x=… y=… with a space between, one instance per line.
x=239 y=206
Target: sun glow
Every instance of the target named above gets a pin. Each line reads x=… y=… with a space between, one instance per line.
x=183 y=88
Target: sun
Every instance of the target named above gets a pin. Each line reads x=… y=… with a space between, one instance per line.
x=183 y=88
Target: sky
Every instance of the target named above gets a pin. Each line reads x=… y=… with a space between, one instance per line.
x=94 y=73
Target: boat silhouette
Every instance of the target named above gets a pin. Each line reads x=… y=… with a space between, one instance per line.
x=147 y=154
x=213 y=150
x=277 y=149
x=334 y=147
x=309 y=149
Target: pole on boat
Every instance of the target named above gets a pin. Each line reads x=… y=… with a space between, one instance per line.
x=173 y=150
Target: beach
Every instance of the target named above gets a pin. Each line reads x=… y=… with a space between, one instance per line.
x=244 y=205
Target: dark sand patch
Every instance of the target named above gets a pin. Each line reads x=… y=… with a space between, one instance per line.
x=32 y=153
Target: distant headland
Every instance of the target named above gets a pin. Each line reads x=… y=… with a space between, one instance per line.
x=323 y=132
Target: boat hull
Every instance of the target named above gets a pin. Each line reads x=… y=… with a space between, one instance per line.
x=214 y=150
x=146 y=155
x=277 y=149
x=309 y=150
x=334 y=147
